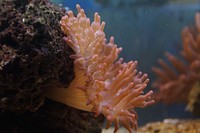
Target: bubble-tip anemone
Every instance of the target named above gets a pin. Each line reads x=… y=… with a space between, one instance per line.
x=180 y=83
x=102 y=84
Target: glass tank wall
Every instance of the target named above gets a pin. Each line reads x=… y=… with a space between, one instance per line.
x=145 y=29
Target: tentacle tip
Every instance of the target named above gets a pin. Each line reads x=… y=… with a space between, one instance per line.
x=109 y=118
x=151 y=92
x=78 y=7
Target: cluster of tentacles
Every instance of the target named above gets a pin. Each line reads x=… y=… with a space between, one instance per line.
x=180 y=83
x=103 y=83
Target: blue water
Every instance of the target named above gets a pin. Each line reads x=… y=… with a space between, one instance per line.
x=71 y=4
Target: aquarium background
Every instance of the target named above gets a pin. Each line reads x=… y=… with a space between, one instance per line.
x=145 y=29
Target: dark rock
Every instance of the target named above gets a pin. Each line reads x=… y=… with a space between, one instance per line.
x=34 y=55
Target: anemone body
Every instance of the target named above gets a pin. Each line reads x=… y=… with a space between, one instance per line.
x=103 y=83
